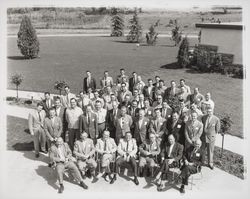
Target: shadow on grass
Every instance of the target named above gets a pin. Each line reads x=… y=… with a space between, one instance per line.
x=173 y=65
x=16 y=57
x=26 y=146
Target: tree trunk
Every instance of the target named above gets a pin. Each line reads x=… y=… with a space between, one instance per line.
x=17 y=92
x=222 y=145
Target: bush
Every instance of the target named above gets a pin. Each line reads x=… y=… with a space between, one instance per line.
x=135 y=33
x=17 y=79
x=60 y=85
x=152 y=35
x=117 y=23
x=27 y=40
x=183 y=53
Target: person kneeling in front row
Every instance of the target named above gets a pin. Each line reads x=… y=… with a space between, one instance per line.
x=127 y=150
x=193 y=158
x=61 y=155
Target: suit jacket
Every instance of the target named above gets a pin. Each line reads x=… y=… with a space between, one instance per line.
x=177 y=130
x=53 y=130
x=193 y=131
x=149 y=95
x=133 y=115
x=110 y=145
x=121 y=95
x=46 y=107
x=158 y=129
x=111 y=118
x=197 y=99
x=153 y=148
x=169 y=93
x=91 y=85
x=176 y=154
x=121 y=130
x=124 y=148
x=119 y=78
x=54 y=153
x=66 y=99
x=140 y=133
x=85 y=147
x=109 y=82
x=132 y=83
x=211 y=129
x=149 y=112
x=195 y=156
x=90 y=127
x=167 y=113
x=33 y=120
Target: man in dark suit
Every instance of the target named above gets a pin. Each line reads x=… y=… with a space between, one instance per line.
x=192 y=162
x=171 y=91
x=48 y=103
x=133 y=110
x=60 y=112
x=122 y=75
x=112 y=115
x=140 y=128
x=148 y=91
x=132 y=81
x=176 y=127
x=89 y=82
x=171 y=155
x=89 y=124
x=149 y=111
x=211 y=125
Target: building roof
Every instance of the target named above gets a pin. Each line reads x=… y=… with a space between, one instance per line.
x=231 y=25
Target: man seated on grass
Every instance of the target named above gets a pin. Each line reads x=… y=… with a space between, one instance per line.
x=84 y=150
x=61 y=155
x=192 y=159
x=171 y=155
x=127 y=150
x=106 y=149
x=148 y=155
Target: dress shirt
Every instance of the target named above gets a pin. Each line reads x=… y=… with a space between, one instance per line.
x=101 y=115
x=72 y=117
x=170 y=150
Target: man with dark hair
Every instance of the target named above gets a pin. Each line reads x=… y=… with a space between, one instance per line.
x=157 y=79
x=48 y=102
x=123 y=124
x=158 y=103
x=89 y=82
x=132 y=81
x=196 y=97
x=171 y=154
x=72 y=115
x=36 y=128
x=127 y=150
x=123 y=92
x=148 y=91
x=122 y=74
x=61 y=155
x=160 y=90
x=133 y=110
x=149 y=111
x=183 y=84
x=112 y=115
x=83 y=101
x=66 y=98
x=171 y=91
x=101 y=114
x=166 y=110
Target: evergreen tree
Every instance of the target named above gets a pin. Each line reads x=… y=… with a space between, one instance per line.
x=135 y=33
x=152 y=35
x=27 y=40
x=183 y=53
x=117 y=23
x=176 y=34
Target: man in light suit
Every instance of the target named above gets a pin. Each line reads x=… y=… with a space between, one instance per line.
x=53 y=128
x=193 y=130
x=148 y=154
x=60 y=112
x=84 y=151
x=89 y=82
x=48 y=102
x=66 y=98
x=140 y=128
x=211 y=125
x=171 y=154
x=186 y=87
x=106 y=80
x=61 y=155
x=158 y=125
x=127 y=150
x=106 y=149
x=122 y=75
x=88 y=123
x=122 y=124
x=36 y=128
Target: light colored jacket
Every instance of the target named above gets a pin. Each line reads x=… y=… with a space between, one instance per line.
x=110 y=145
x=53 y=130
x=84 y=148
x=129 y=147
x=33 y=120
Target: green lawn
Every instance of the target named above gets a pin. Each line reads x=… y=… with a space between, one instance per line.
x=67 y=58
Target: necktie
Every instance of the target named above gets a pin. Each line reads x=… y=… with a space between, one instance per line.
x=105 y=145
x=207 y=122
x=122 y=122
x=40 y=119
x=127 y=145
x=88 y=118
x=105 y=81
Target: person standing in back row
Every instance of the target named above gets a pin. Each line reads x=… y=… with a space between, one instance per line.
x=89 y=82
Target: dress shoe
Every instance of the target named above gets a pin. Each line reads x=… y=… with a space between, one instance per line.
x=113 y=180
x=45 y=152
x=100 y=175
x=61 y=188
x=211 y=167
x=37 y=155
x=182 y=189
x=160 y=187
x=136 y=181
x=83 y=185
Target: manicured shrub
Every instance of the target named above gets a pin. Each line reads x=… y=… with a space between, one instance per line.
x=135 y=33
x=117 y=23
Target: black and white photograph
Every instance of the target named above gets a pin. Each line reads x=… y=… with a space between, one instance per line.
x=124 y=99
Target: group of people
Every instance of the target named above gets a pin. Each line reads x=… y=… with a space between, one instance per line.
x=126 y=121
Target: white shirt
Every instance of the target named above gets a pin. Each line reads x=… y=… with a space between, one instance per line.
x=61 y=155
x=170 y=150
x=101 y=115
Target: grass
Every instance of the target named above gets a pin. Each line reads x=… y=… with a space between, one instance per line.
x=18 y=138
x=67 y=58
